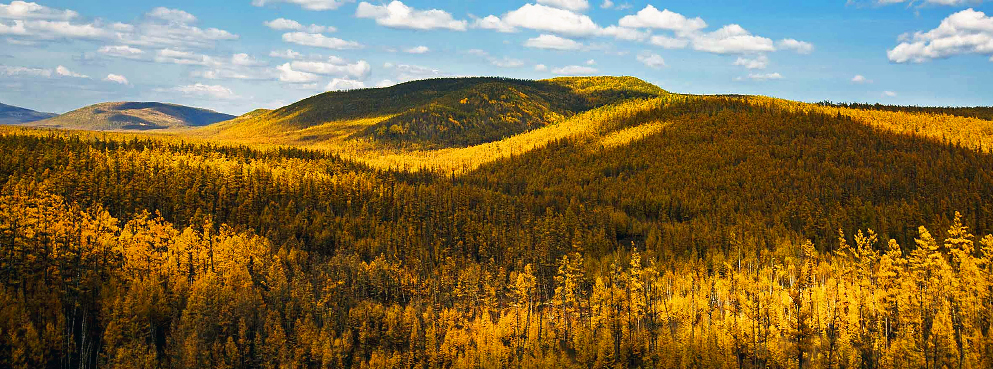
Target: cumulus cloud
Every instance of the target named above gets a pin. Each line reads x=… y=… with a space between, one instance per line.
x=761 y=77
x=574 y=70
x=117 y=78
x=29 y=10
x=552 y=42
x=201 y=90
x=758 y=62
x=860 y=79
x=651 y=17
x=319 y=40
x=574 y=5
x=283 y=24
x=358 y=70
x=732 y=39
x=800 y=47
x=624 y=33
x=285 y=54
x=506 y=62
x=398 y=15
x=385 y=83
x=540 y=68
x=65 y=72
x=669 y=42
x=889 y=94
x=161 y=27
x=966 y=32
x=306 y=4
x=651 y=60
x=245 y=60
x=289 y=75
x=122 y=51
x=494 y=23
x=408 y=72
x=173 y=56
x=417 y=50
x=607 y=4
x=339 y=84
x=542 y=18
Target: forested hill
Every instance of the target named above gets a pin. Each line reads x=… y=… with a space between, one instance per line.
x=674 y=231
x=133 y=116
x=14 y=115
x=449 y=112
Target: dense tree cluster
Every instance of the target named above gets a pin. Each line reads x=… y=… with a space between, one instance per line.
x=980 y=112
x=710 y=241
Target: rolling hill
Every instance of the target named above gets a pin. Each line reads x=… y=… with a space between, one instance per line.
x=621 y=227
x=435 y=113
x=133 y=116
x=15 y=115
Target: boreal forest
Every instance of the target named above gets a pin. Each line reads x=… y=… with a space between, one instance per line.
x=595 y=222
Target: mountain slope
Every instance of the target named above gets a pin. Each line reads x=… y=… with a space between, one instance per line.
x=14 y=115
x=448 y=112
x=134 y=116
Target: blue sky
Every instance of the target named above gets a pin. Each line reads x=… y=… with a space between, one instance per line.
x=238 y=55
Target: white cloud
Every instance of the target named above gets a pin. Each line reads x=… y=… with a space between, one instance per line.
x=889 y=94
x=283 y=24
x=732 y=39
x=574 y=5
x=117 y=78
x=224 y=73
x=494 y=23
x=398 y=15
x=624 y=33
x=407 y=72
x=306 y=4
x=319 y=40
x=339 y=84
x=122 y=51
x=651 y=17
x=540 y=68
x=651 y=60
x=966 y=32
x=359 y=70
x=669 y=42
x=24 y=71
x=552 y=42
x=860 y=79
x=385 y=83
x=760 y=77
x=574 y=70
x=202 y=90
x=173 y=56
x=28 y=10
x=245 y=60
x=65 y=72
x=506 y=62
x=607 y=4
x=591 y=62
x=800 y=47
x=932 y=2
x=758 y=62
x=545 y=18
x=417 y=50
x=289 y=75
x=172 y=15
x=285 y=54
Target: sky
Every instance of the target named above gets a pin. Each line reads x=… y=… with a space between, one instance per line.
x=235 y=56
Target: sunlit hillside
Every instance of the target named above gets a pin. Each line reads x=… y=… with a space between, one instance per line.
x=624 y=226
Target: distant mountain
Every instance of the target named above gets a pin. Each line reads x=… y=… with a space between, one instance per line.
x=445 y=112
x=134 y=116
x=15 y=115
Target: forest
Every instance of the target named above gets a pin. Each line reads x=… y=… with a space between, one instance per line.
x=670 y=231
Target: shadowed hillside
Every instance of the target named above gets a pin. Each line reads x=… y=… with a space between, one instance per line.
x=15 y=115
x=134 y=116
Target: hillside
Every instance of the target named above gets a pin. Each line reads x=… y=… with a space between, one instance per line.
x=15 y=115
x=133 y=116
x=642 y=229
x=448 y=112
